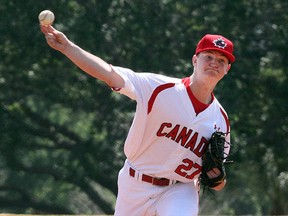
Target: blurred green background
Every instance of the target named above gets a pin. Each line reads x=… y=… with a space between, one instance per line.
x=62 y=132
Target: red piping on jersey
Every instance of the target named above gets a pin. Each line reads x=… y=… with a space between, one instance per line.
x=156 y=92
x=226 y=120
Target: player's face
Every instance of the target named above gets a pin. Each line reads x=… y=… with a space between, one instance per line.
x=212 y=63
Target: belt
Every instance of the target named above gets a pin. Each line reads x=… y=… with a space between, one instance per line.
x=152 y=180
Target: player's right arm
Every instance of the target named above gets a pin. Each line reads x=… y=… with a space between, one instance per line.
x=86 y=61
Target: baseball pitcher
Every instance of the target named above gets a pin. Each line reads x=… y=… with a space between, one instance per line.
x=180 y=134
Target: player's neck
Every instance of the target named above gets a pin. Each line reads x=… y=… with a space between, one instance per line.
x=201 y=90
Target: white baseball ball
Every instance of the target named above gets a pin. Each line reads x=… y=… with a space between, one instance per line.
x=46 y=17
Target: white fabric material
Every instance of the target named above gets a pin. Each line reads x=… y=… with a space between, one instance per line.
x=138 y=198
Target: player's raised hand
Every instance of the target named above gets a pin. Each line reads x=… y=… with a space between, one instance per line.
x=55 y=39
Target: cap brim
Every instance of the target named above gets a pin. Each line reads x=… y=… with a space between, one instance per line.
x=227 y=54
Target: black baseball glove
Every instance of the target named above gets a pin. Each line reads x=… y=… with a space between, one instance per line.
x=214 y=157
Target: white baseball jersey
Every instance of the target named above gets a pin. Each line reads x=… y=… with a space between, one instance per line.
x=171 y=128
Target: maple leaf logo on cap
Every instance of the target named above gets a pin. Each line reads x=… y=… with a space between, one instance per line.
x=219 y=42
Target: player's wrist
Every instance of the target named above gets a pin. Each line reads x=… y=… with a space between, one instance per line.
x=69 y=48
x=219 y=186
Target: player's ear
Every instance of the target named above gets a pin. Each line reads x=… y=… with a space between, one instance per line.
x=194 y=60
x=228 y=68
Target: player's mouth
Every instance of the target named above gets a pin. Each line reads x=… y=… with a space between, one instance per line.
x=213 y=70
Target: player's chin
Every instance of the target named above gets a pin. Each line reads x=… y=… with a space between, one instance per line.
x=214 y=75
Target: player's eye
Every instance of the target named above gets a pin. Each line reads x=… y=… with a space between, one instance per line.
x=221 y=61
x=208 y=57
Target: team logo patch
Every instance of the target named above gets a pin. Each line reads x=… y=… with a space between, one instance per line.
x=219 y=42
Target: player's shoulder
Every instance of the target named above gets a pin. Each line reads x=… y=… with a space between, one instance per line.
x=147 y=76
x=158 y=77
x=217 y=102
x=222 y=112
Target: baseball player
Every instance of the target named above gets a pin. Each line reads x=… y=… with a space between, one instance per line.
x=173 y=122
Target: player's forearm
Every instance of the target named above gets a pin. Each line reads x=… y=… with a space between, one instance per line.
x=89 y=63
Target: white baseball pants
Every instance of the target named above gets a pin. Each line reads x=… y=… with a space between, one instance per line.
x=138 y=198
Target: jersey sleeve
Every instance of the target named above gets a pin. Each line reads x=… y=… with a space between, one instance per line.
x=139 y=85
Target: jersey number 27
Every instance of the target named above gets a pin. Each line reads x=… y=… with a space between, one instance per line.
x=186 y=167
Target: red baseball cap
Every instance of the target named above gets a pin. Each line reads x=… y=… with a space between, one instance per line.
x=216 y=42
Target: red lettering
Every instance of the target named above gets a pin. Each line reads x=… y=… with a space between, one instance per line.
x=192 y=141
x=196 y=172
x=199 y=151
x=160 y=131
x=183 y=168
x=183 y=136
x=173 y=133
x=188 y=166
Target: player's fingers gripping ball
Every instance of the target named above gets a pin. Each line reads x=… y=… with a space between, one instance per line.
x=214 y=157
x=46 y=17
